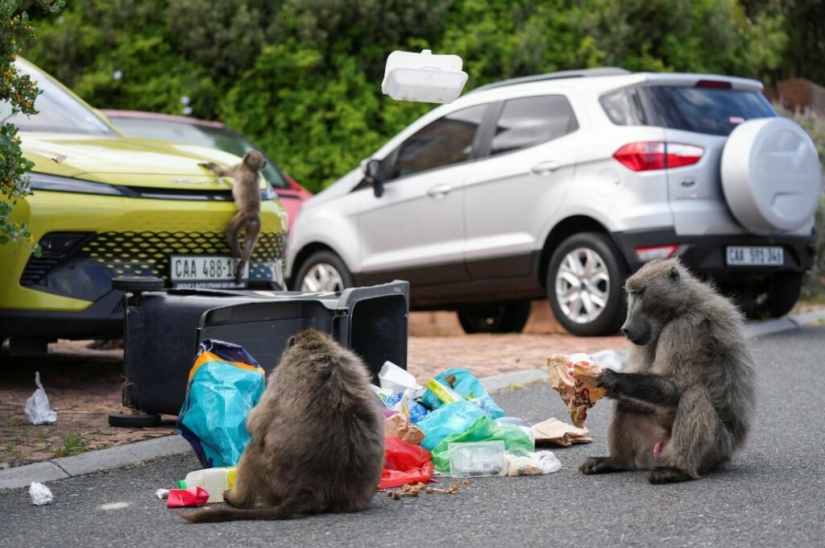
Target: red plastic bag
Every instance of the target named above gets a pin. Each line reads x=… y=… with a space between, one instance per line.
x=184 y=498
x=404 y=463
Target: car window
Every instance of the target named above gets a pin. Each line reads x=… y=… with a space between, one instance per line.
x=58 y=111
x=530 y=121
x=447 y=141
x=709 y=110
x=187 y=133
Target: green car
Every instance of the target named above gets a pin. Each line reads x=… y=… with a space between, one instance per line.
x=104 y=205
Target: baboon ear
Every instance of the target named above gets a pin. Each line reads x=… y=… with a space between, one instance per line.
x=291 y=342
x=673 y=274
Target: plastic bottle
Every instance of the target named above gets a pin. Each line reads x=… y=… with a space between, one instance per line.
x=214 y=480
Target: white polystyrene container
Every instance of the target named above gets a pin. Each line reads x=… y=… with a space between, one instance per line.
x=423 y=77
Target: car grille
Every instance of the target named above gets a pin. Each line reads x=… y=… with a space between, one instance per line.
x=86 y=270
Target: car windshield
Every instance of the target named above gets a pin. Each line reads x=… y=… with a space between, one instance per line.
x=187 y=133
x=58 y=111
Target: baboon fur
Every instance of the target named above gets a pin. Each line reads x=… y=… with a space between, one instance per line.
x=690 y=383
x=247 y=195
x=317 y=438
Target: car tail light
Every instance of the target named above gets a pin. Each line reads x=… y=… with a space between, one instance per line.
x=646 y=254
x=717 y=84
x=651 y=155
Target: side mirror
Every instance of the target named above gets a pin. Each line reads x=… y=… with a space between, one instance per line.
x=372 y=173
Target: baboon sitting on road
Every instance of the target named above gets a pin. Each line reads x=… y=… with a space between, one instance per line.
x=317 y=438
x=687 y=401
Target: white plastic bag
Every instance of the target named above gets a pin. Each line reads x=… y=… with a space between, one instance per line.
x=40 y=494
x=532 y=464
x=608 y=359
x=395 y=379
x=37 y=406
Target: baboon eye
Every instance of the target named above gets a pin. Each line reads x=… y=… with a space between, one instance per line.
x=638 y=292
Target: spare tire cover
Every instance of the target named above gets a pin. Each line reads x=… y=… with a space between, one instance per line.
x=771 y=175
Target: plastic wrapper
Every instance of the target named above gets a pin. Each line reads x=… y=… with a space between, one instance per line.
x=225 y=383
x=40 y=494
x=515 y=440
x=395 y=379
x=452 y=418
x=37 y=406
x=532 y=464
x=405 y=404
x=574 y=378
x=399 y=426
x=451 y=384
x=404 y=463
x=187 y=498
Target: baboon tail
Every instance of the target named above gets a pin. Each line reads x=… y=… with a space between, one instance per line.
x=234 y=514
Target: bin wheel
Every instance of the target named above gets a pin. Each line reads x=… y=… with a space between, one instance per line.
x=134 y=284
x=140 y=420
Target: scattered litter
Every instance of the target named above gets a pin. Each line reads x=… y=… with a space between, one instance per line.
x=404 y=463
x=185 y=498
x=480 y=458
x=214 y=480
x=515 y=440
x=460 y=385
x=40 y=494
x=37 y=406
x=162 y=493
x=399 y=426
x=415 y=489
x=395 y=379
x=555 y=432
x=574 y=378
x=114 y=506
x=533 y=464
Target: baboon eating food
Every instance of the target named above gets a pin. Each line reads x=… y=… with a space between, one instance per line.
x=247 y=195
x=317 y=438
x=687 y=401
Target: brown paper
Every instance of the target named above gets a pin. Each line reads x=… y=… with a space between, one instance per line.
x=555 y=432
x=578 y=391
x=399 y=426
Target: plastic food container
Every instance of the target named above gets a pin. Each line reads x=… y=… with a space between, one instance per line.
x=478 y=458
x=423 y=77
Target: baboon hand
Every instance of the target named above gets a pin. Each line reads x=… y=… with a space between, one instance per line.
x=208 y=165
x=609 y=380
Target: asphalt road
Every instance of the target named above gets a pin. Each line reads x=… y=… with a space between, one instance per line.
x=772 y=494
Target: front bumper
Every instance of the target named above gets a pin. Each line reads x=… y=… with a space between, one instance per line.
x=707 y=254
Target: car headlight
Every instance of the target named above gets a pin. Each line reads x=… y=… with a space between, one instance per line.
x=41 y=181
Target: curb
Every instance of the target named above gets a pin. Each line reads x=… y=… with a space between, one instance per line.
x=134 y=453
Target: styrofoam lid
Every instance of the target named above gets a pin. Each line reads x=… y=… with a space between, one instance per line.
x=423 y=77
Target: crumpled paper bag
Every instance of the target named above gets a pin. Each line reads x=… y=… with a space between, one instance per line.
x=574 y=377
x=37 y=406
x=555 y=432
x=399 y=426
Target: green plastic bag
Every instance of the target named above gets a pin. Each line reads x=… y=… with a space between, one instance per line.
x=515 y=440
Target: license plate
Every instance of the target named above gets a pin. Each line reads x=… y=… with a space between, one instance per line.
x=204 y=271
x=767 y=256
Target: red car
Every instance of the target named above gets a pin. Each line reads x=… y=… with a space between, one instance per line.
x=192 y=131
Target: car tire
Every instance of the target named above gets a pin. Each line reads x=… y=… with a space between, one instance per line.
x=605 y=280
x=506 y=317
x=783 y=293
x=323 y=271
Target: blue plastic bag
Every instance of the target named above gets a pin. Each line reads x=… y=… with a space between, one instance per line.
x=468 y=387
x=451 y=418
x=225 y=383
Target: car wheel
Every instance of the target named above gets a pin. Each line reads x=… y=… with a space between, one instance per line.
x=506 y=317
x=783 y=292
x=323 y=271
x=584 y=285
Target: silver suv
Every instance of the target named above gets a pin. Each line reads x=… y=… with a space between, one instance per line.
x=562 y=184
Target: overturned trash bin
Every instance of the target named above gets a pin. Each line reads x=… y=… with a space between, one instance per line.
x=163 y=328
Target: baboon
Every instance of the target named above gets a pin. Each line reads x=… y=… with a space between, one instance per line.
x=247 y=195
x=687 y=401
x=317 y=438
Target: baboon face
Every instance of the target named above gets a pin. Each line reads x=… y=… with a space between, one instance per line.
x=254 y=160
x=654 y=297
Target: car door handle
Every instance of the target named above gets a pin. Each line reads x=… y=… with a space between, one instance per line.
x=440 y=190
x=545 y=168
